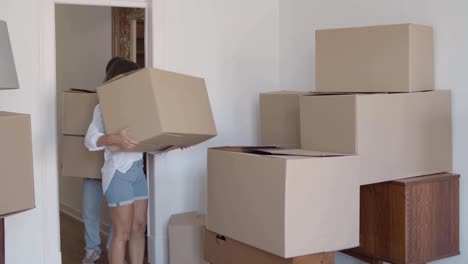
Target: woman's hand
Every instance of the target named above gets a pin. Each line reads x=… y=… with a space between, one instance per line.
x=124 y=141
x=121 y=140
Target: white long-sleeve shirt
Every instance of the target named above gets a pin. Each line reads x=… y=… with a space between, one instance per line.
x=113 y=161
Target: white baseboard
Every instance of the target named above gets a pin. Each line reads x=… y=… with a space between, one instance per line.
x=58 y=257
x=151 y=249
x=76 y=214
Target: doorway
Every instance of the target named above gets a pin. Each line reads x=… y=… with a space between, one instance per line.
x=87 y=37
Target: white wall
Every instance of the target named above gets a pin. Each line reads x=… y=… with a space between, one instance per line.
x=300 y=18
x=24 y=232
x=84 y=46
x=233 y=44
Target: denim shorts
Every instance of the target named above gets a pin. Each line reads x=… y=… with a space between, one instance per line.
x=126 y=188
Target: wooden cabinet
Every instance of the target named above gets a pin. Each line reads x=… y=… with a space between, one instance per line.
x=410 y=221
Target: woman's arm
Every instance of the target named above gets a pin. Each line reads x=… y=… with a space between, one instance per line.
x=96 y=138
x=121 y=140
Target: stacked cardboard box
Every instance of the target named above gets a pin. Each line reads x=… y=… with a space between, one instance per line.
x=191 y=243
x=16 y=164
x=397 y=135
x=77 y=114
x=400 y=127
x=275 y=204
x=393 y=58
x=375 y=98
x=273 y=199
x=220 y=249
x=374 y=118
x=279 y=119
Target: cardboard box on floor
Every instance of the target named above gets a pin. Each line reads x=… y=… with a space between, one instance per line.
x=391 y=58
x=223 y=250
x=186 y=233
x=286 y=202
x=77 y=111
x=16 y=164
x=279 y=118
x=163 y=110
x=396 y=135
x=77 y=161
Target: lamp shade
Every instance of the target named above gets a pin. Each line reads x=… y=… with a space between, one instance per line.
x=8 y=77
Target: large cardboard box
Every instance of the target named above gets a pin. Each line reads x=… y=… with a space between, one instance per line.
x=397 y=135
x=286 y=202
x=162 y=109
x=77 y=111
x=77 y=161
x=16 y=164
x=391 y=58
x=279 y=118
x=223 y=250
x=186 y=234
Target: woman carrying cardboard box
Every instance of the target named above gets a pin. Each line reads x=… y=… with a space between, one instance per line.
x=92 y=201
x=123 y=181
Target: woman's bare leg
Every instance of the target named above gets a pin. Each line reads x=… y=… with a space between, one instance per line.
x=137 y=235
x=122 y=220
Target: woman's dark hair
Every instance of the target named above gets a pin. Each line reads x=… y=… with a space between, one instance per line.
x=112 y=61
x=120 y=66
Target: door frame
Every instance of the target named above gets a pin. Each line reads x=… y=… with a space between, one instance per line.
x=154 y=26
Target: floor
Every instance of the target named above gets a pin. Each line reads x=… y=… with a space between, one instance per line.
x=72 y=241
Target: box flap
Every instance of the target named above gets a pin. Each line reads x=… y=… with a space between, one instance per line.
x=245 y=149
x=344 y=93
x=301 y=152
x=287 y=93
x=277 y=151
x=79 y=90
x=358 y=93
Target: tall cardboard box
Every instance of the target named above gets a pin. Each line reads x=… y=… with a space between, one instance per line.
x=186 y=234
x=163 y=110
x=16 y=164
x=397 y=135
x=286 y=202
x=77 y=111
x=391 y=58
x=279 y=118
x=77 y=161
x=223 y=250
